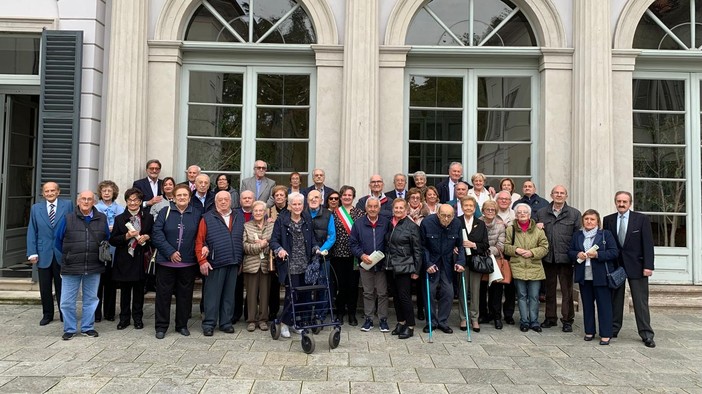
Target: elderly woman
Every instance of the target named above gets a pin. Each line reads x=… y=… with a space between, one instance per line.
x=223 y=183
x=107 y=291
x=131 y=236
x=526 y=245
x=279 y=194
x=420 y=181
x=475 y=242
x=345 y=269
x=257 y=234
x=293 y=243
x=332 y=201
x=416 y=209
x=431 y=199
x=479 y=192
x=591 y=273
x=507 y=184
x=174 y=237
x=168 y=187
x=403 y=259
x=295 y=183
x=496 y=238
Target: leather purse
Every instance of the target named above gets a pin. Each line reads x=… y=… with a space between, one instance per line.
x=481 y=264
x=616 y=278
x=505 y=268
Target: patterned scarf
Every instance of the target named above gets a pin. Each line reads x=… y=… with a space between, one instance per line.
x=589 y=240
x=135 y=220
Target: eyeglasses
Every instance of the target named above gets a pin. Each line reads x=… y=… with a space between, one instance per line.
x=261 y=168
x=85 y=199
x=154 y=168
x=376 y=181
x=446 y=216
x=134 y=201
x=522 y=213
x=504 y=199
x=489 y=210
x=333 y=198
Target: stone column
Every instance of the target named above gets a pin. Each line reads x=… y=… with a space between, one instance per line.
x=623 y=62
x=125 y=127
x=359 y=135
x=593 y=139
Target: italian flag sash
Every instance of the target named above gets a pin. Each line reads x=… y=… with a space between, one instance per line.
x=345 y=219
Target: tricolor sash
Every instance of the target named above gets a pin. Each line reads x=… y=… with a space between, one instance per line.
x=345 y=219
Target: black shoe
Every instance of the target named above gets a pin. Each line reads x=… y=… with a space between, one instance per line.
x=509 y=320
x=352 y=320
x=228 y=329
x=426 y=329
x=340 y=319
x=567 y=327
x=208 y=332
x=67 y=336
x=523 y=328
x=160 y=334
x=649 y=342
x=98 y=319
x=498 y=324
x=536 y=328
x=111 y=318
x=45 y=321
x=603 y=342
x=90 y=333
x=475 y=329
x=406 y=332
x=616 y=334
x=138 y=325
x=123 y=324
x=485 y=320
x=463 y=328
x=397 y=330
x=548 y=324
x=184 y=332
x=588 y=338
x=420 y=315
x=445 y=329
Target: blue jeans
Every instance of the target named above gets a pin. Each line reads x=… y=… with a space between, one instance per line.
x=528 y=301
x=69 y=294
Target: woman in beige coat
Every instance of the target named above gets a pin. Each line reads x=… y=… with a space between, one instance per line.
x=526 y=245
x=257 y=234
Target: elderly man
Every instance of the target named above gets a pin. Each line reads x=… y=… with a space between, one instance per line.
x=444 y=254
x=318 y=177
x=41 y=249
x=203 y=198
x=151 y=187
x=399 y=181
x=259 y=184
x=220 y=230
x=191 y=173
x=447 y=186
x=368 y=236
x=376 y=185
x=462 y=191
x=558 y=220
x=246 y=200
x=530 y=197
x=78 y=237
x=504 y=207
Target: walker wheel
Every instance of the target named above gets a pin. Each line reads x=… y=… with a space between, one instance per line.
x=334 y=338
x=307 y=343
x=275 y=330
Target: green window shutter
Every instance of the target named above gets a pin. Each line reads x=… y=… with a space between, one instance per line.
x=59 y=109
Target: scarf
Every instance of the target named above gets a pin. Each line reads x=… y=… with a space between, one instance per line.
x=589 y=240
x=345 y=218
x=135 y=221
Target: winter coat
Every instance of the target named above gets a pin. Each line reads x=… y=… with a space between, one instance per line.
x=404 y=248
x=606 y=254
x=252 y=251
x=534 y=239
x=125 y=267
x=366 y=239
x=559 y=232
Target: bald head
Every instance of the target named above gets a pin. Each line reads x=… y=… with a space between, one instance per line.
x=246 y=199
x=223 y=202
x=446 y=214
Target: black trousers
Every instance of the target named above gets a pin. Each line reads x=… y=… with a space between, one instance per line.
x=497 y=307
x=345 y=280
x=639 y=296
x=131 y=301
x=47 y=277
x=240 y=308
x=403 y=299
x=419 y=289
x=483 y=301
x=273 y=296
x=169 y=281
x=107 y=296
x=559 y=273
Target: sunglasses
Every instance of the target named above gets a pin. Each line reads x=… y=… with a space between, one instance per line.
x=333 y=198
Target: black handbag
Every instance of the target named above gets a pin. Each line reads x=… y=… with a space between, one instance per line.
x=481 y=264
x=616 y=278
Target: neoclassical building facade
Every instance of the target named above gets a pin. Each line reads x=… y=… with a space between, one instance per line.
x=598 y=96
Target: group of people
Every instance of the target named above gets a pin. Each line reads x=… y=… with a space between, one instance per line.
x=265 y=235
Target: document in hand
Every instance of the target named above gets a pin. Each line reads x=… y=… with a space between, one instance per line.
x=375 y=258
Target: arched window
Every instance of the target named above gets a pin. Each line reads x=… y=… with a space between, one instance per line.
x=668 y=24
x=250 y=98
x=467 y=102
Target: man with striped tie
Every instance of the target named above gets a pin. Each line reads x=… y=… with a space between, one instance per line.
x=40 y=246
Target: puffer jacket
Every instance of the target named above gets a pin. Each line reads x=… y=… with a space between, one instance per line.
x=404 y=248
x=533 y=239
x=496 y=235
x=559 y=231
x=252 y=251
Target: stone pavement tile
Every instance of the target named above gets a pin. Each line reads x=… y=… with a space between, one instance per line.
x=131 y=385
x=536 y=363
x=353 y=346
x=325 y=387
x=239 y=357
x=285 y=358
x=508 y=337
x=5 y=379
x=82 y=354
x=416 y=360
x=109 y=343
x=206 y=371
x=453 y=361
x=227 y=386
x=256 y=372
x=694 y=390
x=6 y=350
x=369 y=360
x=464 y=348
x=190 y=343
x=353 y=374
x=582 y=351
x=5 y=365
x=304 y=372
x=120 y=369
x=520 y=389
x=395 y=374
x=29 y=384
x=159 y=354
x=470 y=388
x=160 y=370
x=34 y=341
x=77 y=368
x=118 y=355
x=621 y=389
x=440 y=375
x=271 y=345
x=530 y=377
x=70 y=385
x=671 y=366
x=30 y=368
x=193 y=357
x=496 y=362
x=393 y=346
x=328 y=359
x=428 y=348
x=617 y=365
x=565 y=389
x=576 y=377
x=504 y=350
x=410 y=388
x=660 y=353
x=618 y=352
x=177 y=385
x=651 y=390
x=31 y=354
x=549 y=340
x=578 y=363
x=373 y=388
x=543 y=351
x=275 y=386
x=233 y=344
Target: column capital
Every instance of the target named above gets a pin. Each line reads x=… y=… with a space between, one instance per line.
x=556 y=58
x=165 y=51
x=328 y=55
x=624 y=59
x=393 y=56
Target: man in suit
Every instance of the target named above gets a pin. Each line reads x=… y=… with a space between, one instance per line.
x=259 y=184
x=203 y=198
x=400 y=183
x=41 y=249
x=318 y=177
x=151 y=186
x=191 y=173
x=376 y=190
x=632 y=231
x=447 y=186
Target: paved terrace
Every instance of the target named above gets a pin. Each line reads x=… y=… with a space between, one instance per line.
x=34 y=359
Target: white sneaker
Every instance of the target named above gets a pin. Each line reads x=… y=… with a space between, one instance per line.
x=296 y=331
x=284 y=331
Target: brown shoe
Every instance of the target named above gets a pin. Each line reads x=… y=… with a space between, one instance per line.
x=263 y=326
x=251 y=327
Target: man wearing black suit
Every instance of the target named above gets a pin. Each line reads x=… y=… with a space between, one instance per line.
x=446 y=187
x=318 y=177
x=400 y=182
x=151 y=186
x=203 y=197
x=635 y=241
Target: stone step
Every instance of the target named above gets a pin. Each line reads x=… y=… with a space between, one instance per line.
x=18 y=284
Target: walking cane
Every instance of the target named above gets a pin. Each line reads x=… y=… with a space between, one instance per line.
x=465 y=305
x=431 y=338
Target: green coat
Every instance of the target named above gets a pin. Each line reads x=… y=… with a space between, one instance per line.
x=533 y=239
